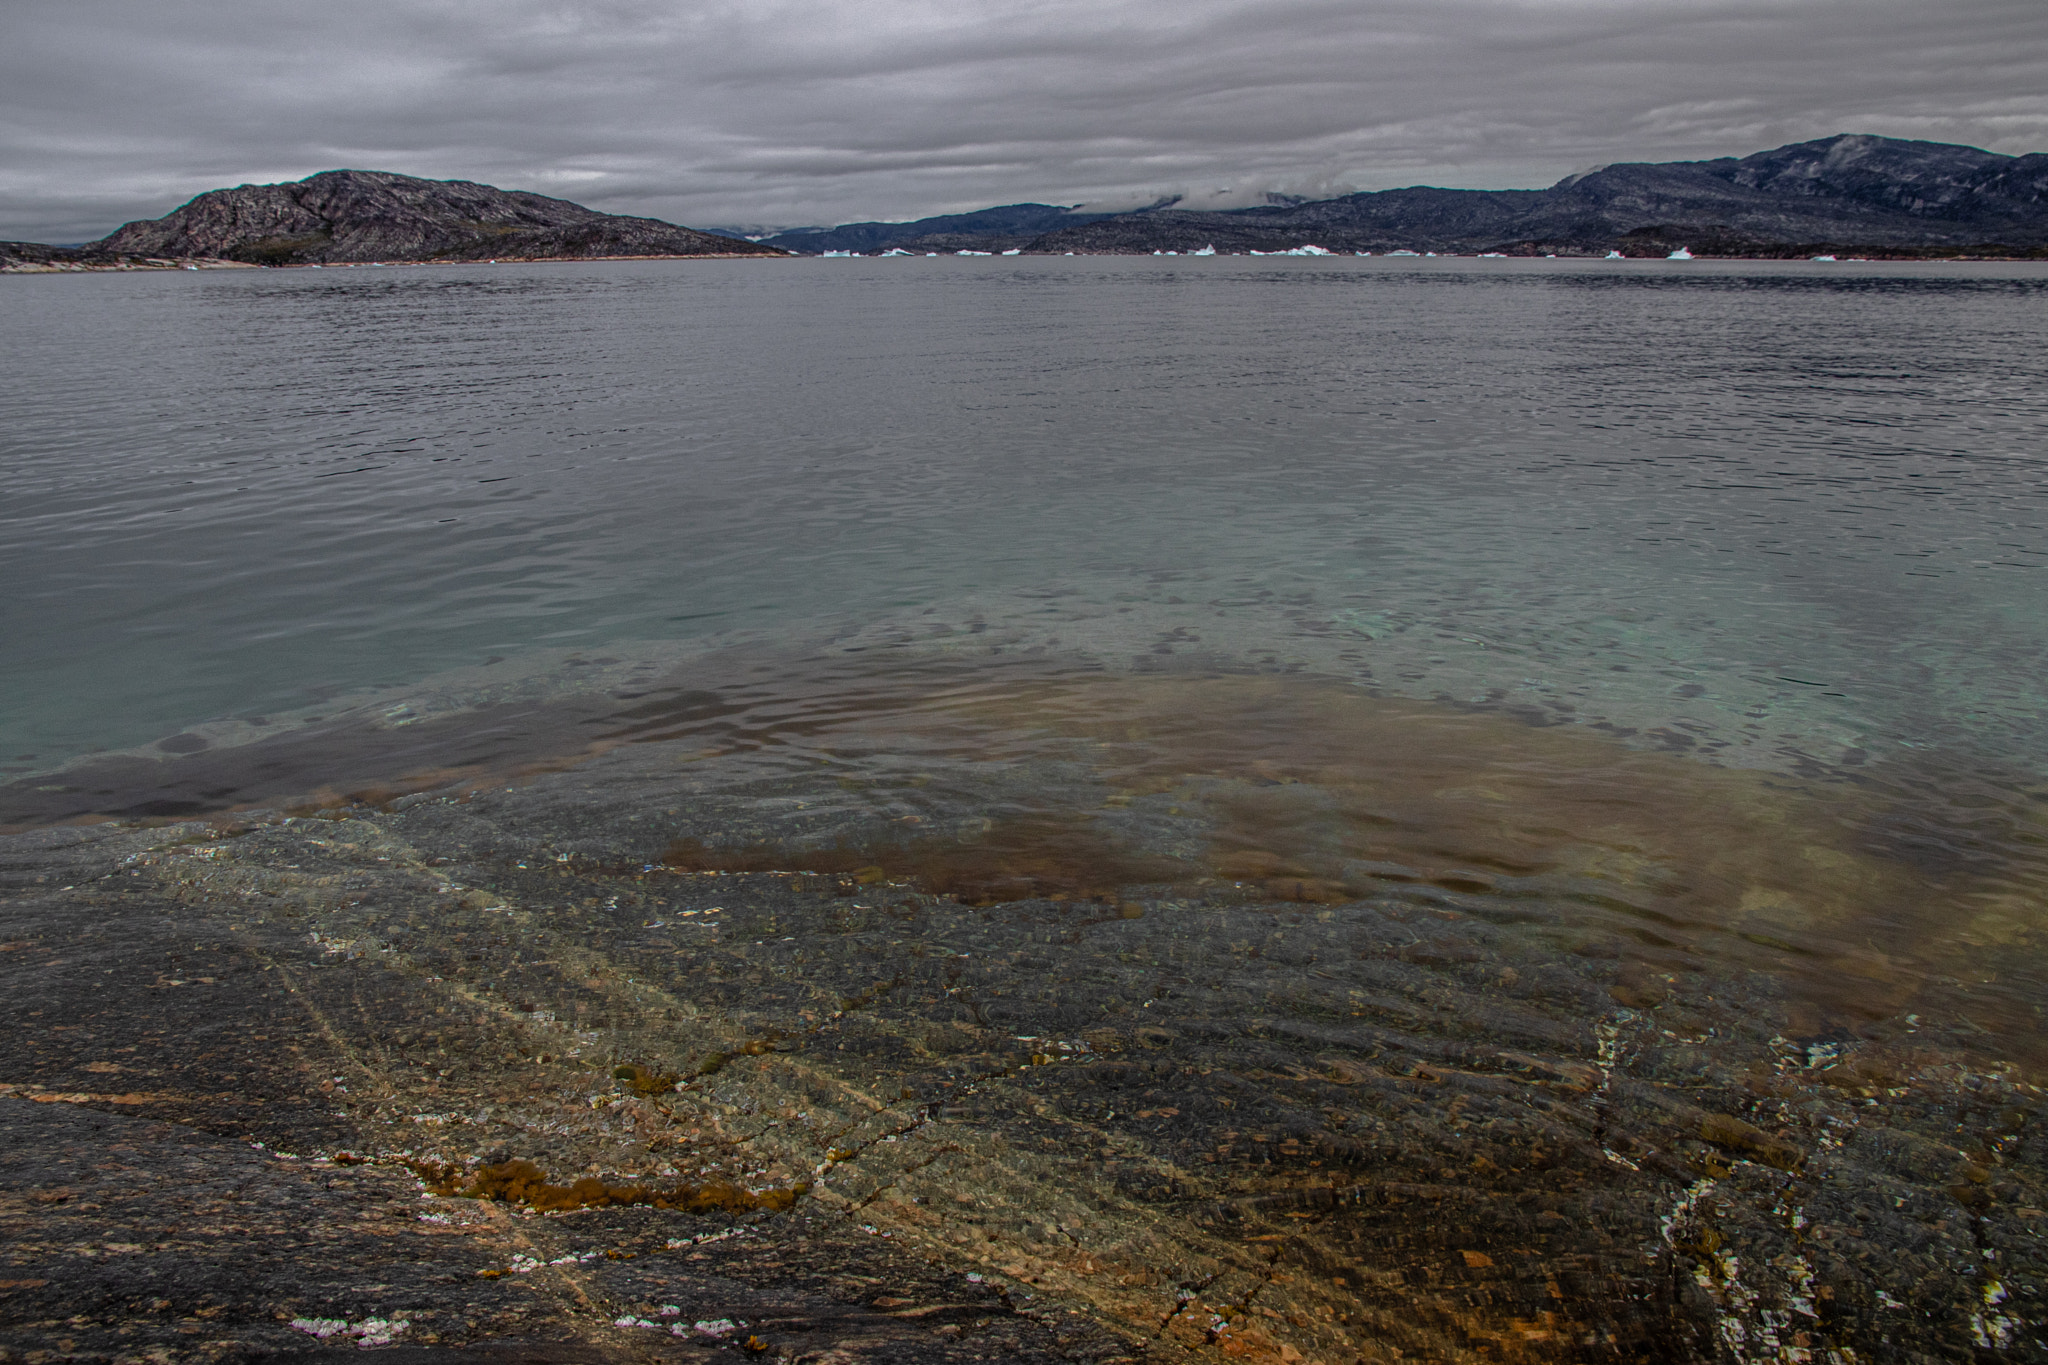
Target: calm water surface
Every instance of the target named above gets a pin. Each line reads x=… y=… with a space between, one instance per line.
x=1778 y=518
x=1812 y=490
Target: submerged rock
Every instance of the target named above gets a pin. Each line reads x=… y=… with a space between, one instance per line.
x=573 y=1063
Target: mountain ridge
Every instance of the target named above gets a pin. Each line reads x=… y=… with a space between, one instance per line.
x=1849 y=192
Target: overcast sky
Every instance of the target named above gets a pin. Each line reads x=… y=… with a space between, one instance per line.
x=790 y=112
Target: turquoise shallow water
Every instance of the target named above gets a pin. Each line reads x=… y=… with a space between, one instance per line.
x=1790 y=504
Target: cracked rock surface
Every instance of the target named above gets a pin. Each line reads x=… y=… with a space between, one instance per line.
x=259 y=1068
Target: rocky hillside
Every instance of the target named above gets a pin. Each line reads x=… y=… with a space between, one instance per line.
x=994 y=229
x=340 y=217
x=1845 y=192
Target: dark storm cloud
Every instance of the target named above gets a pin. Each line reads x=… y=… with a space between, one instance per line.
x=803 y=111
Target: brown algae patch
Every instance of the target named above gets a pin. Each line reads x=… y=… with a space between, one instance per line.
x=1046 y=855
x=521 y=1182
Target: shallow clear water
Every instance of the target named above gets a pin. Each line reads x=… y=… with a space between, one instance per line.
x=1811 y=494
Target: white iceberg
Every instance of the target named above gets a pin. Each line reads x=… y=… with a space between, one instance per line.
x=841 y=253
x=1615 y=256
x=1493 y=255
x=1361 y=253
x=964 y=252
x=1209 y=250
x=1014 y=251
x=898 y=251
x=1679 y=255
x=1404 y=252
x=1823 y=258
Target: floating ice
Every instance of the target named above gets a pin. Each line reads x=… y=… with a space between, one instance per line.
x=964 y=252
x=1209 y=250
x=1493 y=255
x=1823 y=258
x=898 y=251
x=841 y=253
x=1404 y=252
x=1615 y=256
x=1014 y=251
x=1682 y=254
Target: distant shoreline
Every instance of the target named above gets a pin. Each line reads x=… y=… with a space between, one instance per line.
x=10 y=265
x=16 y=266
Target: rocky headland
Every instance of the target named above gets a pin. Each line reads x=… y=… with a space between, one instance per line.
x=363 y=217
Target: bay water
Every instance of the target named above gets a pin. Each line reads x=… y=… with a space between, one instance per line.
x=1721 y=584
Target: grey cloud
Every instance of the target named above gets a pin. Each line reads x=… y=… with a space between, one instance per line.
x=802 y=112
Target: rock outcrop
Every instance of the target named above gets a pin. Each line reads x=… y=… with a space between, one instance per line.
x=347 y=217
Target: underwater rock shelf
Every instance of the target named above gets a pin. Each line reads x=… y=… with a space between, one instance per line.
x=489 y=1076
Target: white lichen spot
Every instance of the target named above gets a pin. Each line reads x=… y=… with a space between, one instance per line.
x=1993 y=1331
x=368 y=1332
